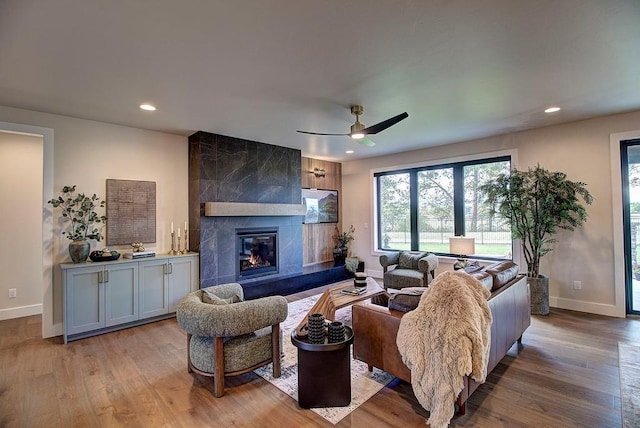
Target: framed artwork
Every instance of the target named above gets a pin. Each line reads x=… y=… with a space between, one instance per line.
x=131 y=212
x=322 y=205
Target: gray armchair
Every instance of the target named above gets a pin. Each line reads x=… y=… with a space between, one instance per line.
x=230 y=336
x=412 y=269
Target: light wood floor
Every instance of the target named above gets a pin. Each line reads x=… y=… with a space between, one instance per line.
x=565 y=375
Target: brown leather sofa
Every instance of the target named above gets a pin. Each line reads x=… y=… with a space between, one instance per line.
x=376 y=327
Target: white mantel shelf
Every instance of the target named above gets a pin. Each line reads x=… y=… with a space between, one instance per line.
x=246 y=209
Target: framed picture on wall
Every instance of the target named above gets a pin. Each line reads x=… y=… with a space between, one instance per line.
x=322 y=205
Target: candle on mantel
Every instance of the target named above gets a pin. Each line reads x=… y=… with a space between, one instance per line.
x=185 y=227
x=178 y=232
x=171 y=227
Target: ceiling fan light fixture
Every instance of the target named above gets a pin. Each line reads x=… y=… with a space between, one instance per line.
x=356 y=130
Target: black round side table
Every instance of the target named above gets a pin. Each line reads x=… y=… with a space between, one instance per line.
x=324 y=372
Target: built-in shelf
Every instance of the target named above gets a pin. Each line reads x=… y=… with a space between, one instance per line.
x=244 y=209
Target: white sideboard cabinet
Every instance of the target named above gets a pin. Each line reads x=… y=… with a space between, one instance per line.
x=99 y=297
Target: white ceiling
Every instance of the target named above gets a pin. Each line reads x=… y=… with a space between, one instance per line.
x=260 y=69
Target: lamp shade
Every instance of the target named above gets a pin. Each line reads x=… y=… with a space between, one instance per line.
x=462 y=246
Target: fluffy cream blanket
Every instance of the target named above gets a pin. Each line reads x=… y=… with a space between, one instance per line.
x=445 y=338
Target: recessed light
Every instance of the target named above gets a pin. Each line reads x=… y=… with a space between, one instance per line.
x=552 y=109
x=147 y=107
x=349 y=152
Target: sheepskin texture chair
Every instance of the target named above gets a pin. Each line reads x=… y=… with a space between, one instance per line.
x=228 y=336
x=447 y=337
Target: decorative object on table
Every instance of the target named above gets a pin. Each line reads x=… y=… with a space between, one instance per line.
x=104 y=255
x=316 y=328
x=137 y=247
x=186 y=236
x=131 y=208
x=360 y=280
x=536 y=203
x=80 y=210
x=335 y=331
x=461 y=247
x=139 y=254
x=342 y=240
x=173 y=250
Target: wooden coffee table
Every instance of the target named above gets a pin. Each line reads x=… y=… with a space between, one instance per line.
x=333 y=299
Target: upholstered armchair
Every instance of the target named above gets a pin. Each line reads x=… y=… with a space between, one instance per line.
x=228 y=336
x=412 y=269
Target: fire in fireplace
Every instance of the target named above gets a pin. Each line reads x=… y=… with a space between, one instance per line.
x=257 y=252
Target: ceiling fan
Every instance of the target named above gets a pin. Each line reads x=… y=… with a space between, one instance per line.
x=359 y=132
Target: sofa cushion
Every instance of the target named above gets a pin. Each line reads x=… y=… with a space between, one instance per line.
x=502 y=273
x=208 y=297
x=404 y=302
x=485 y=278
x=401 y=278
x=409 y=259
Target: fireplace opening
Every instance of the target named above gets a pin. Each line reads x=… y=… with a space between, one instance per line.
x=257 y=252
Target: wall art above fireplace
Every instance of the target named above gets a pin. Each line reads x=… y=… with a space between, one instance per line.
x=321 y=205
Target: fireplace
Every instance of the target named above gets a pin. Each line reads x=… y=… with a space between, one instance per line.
x=257 y=252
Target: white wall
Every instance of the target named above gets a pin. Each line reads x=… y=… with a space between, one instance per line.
x=582 y=150
x=21 y=174
x=86 y=153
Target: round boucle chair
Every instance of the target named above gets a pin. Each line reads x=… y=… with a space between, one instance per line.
x=230 y=336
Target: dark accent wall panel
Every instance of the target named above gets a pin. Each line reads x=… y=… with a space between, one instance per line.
x=229 y=169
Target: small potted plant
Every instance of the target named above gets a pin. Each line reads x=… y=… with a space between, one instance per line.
x=342 y=240
x=80 y=211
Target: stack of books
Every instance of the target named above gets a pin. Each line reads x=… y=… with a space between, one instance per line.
x=139 y=254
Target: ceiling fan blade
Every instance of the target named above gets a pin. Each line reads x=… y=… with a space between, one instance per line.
x=366 y=142
x=379 y=127
x=320 y=133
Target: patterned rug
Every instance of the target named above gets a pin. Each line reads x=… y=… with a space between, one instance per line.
x=629 y=364
x=364 y=384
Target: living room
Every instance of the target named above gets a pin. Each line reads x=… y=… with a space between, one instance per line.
x=84 y=150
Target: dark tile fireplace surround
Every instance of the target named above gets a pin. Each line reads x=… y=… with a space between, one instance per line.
x=228 y=169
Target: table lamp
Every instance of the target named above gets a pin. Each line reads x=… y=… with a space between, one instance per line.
x=462 y=247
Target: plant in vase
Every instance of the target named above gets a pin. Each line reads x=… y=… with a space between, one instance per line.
x=536 y=203
x=342 y=240
x=80 y=211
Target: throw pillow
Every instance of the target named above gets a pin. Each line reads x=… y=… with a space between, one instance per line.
x=209 y=297
x=404 y=302
x=409 y=260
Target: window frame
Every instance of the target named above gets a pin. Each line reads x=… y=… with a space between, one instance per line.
x=458 y=180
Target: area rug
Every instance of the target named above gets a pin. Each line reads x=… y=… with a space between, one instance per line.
x=629 y=364
x=364 y=384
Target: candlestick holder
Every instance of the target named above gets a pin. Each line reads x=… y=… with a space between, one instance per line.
x=178 y=250
x=173 y=247
x=186 y=247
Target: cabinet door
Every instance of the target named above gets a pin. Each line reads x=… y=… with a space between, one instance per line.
x=153 y=288
x=121 y=293
x=181 y=279
x=84 y=299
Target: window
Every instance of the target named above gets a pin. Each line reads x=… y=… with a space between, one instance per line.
x=420 y=208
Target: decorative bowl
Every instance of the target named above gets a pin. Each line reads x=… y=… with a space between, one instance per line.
x=99 y=256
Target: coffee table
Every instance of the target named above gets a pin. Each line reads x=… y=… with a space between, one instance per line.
x=333 y=299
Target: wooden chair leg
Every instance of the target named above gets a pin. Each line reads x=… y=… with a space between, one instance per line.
x=275 y=348
x=370 y=367
x=218 y=360
x=189 y=369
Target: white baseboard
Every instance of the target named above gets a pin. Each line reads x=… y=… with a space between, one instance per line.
x=590 y=307
x=373 y=273
x=19 y=312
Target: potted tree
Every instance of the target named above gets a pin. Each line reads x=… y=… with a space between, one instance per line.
x=80 y=210
x=536 y=203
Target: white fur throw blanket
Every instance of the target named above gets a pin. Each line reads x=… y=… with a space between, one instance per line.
x=445 y=338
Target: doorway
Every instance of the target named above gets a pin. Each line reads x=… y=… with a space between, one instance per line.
x=630 y=166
